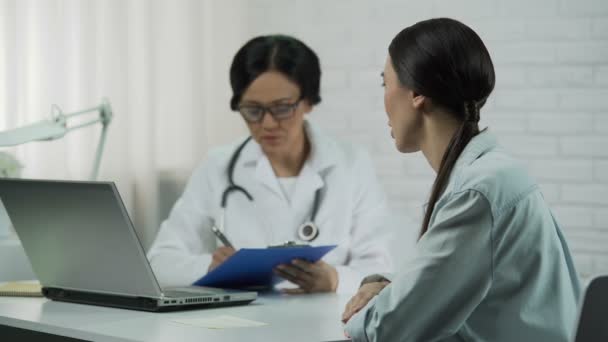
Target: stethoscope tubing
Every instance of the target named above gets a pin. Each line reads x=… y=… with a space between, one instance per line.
x=233 y=187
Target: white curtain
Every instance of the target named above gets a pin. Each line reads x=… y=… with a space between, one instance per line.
x=163 y=65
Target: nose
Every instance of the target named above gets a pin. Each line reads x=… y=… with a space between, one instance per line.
x=268 y=121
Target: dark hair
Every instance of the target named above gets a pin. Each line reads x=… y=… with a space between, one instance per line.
x=282 y=53
x=446 y=61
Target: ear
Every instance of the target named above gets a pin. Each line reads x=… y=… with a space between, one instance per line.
x=418 y=100
x=306 y=106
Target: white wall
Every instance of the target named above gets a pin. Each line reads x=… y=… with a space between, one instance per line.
x=172 y=57
x=549 y=108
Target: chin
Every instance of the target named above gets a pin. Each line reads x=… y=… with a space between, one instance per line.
x=405 y=148
x=272 y=148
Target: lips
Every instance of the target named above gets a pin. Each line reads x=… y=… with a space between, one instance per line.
x=270 y=138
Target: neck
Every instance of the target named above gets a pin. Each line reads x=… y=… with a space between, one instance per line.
x=438 y=130
x=289 y=163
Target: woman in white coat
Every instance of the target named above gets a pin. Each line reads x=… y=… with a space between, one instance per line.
x=289 y=173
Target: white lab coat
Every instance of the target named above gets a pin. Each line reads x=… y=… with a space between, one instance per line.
x=353 y=212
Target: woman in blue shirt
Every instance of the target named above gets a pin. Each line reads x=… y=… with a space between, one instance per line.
x=491 y=263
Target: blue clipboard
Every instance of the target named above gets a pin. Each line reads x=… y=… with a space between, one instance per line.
x=250 y=267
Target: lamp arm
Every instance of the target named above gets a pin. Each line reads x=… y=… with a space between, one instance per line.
x=105 y=117
x=100 y=146
x=57 y=127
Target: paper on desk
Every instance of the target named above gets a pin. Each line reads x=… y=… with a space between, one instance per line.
x=220 y=322
x=21 y=289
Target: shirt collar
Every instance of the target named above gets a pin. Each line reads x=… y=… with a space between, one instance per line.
x=478 y=146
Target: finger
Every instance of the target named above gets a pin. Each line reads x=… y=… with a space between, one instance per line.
x=218 y=257
x=288 y=276
x=297 y=277
x=224 y=257
x=296 y=272
x=349 y=305
x=287 y=269
x=357 y=308
x=225 y=252
x=347 y=315
x=294 y=291
x=304 y=266
x=360 y=304
x=348 y=310
x=301 y=278
x=213 y=265
x=356 y=305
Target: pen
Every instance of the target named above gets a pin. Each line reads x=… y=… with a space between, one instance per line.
x=222 y=237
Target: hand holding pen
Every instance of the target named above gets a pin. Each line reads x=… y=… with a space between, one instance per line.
x=222 y=253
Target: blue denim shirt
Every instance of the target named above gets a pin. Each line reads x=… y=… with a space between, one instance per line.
x=493 y=265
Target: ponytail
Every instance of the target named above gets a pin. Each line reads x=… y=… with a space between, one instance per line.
x=468 y=129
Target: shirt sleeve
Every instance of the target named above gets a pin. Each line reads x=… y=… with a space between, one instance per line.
x=181 y=252
x=371 y=230
x=433 y=295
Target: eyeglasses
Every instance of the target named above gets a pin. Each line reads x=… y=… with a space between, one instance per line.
x=255 y=113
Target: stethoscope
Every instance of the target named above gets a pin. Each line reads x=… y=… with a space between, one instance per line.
x=308 y=231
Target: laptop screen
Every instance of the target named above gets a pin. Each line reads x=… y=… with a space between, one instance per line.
x=78 y=236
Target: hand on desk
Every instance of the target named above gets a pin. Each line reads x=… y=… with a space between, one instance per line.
x=310 y=277
x=363 y=296
x=219 y=256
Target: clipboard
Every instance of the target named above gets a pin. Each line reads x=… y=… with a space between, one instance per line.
x=253 y=267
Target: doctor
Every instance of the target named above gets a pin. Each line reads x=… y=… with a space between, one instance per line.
x=289 y=181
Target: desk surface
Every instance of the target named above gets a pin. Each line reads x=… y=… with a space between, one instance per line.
x=290 y=318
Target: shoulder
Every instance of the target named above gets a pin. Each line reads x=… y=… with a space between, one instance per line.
x=217 y=160
x=500 y=178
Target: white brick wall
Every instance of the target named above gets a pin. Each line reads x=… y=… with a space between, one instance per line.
x=550 y=106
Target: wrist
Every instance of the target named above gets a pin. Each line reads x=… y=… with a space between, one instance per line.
x=374 y=278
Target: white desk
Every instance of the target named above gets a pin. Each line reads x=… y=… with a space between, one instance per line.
x=290 y=318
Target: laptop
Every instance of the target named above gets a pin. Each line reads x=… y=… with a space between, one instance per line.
x=84 y=248
x=593 y=317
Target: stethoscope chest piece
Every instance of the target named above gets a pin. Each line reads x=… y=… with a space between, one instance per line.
x=308 y=231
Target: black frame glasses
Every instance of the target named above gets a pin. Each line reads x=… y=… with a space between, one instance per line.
x=254 y=113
